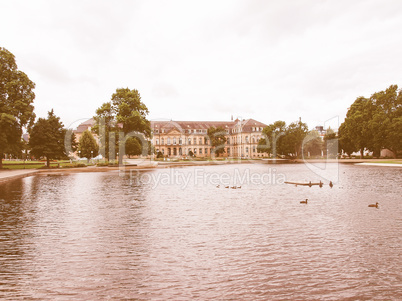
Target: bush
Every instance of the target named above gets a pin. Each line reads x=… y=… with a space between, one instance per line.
x=73 y=165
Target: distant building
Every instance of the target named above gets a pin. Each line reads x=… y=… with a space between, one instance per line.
x=86 y=125
x=179 y=138
x=320 y=129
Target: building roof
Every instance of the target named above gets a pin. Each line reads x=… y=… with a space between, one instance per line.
x=85 y=125
x=245 y=124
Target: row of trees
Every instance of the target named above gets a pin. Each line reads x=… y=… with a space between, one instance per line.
x=373 y=123
x=279 y=139
x=295 y=139
x=283 y=140
x=16 y=104
x=120 y=124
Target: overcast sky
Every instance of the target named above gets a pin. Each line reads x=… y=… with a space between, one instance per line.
x=206 y=60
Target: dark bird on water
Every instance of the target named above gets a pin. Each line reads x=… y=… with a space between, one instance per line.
x=304 y=202
x=374 y=205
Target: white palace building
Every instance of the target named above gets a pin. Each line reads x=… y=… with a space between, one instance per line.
x=178 y=138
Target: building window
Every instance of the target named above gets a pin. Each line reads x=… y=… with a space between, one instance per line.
x=174 y=140
x=157 y=141
x=195 y=141
x=195 y=151
x=189 y=141
x=162 y=141
x=205 y=141
x=180 y=141
x=168 y=141
x=163 y=151
x=156 y=131
x=200 y=151
x=246 y=149
x=200 y=140
x=246 y=139
x=253 y=148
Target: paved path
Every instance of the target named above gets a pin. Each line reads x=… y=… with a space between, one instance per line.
x=6 y=175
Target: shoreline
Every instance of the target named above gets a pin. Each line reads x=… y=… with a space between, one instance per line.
x=6 y=175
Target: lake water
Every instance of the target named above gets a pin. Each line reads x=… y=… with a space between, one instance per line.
x=171 y=234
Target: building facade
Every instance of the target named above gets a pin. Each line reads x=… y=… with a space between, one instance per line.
x=184 y=138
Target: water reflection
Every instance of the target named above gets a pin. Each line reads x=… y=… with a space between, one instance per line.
x=101 y=235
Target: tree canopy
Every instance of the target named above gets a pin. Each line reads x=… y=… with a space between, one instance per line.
x=121 y=123
x=217 y=136
x=272 y=143
x=47 y=138
x=16 y=103
x=87 y=145
x=374 y=123
x=283 y=140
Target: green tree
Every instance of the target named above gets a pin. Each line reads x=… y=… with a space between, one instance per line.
x=104 y=125
x=272 y=143
x=358 y=126
x=331 y=143
x=312 y=144
x=87 y=146
x=386 y=122
x=133 y=146
x=345 y=142
x=16 y=103
x=217 y=136
x=263 y=146
x=293 y=138
x=70 y=143
x=121 y=119
x=47 y=138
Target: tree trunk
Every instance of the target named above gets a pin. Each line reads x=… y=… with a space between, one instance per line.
x=1 y=160
x=361 y=153
x=47 y=162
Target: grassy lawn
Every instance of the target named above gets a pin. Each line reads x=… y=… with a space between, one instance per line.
x=395 y=161
x=37 y=164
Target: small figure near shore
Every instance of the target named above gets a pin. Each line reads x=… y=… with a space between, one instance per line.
x=309 y=184
x=226 y=186
x=239 y=187
x=304 y=202
x=330 y=184
x=374 y=205
x=320 y=184
x=217 y=186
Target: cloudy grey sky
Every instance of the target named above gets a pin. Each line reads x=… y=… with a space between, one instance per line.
x=206 y=60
